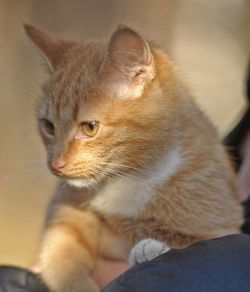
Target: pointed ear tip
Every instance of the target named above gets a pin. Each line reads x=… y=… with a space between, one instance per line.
x=26 y=25
x=124 y=27
x=28 y=28
x=122 y=30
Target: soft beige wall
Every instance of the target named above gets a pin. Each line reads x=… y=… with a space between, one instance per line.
x=209 y=40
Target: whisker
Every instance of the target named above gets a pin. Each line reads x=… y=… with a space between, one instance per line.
x=27 y=92
x=113 y=172
x=23 y=176
x=144 y=171
x=31 y=171
x=45 y=175
x=28 y=77
x=121 y=174
x=22 y=163
x=110 y=171
x=119 y=164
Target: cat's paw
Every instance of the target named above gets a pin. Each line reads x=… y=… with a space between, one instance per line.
x=145 y=250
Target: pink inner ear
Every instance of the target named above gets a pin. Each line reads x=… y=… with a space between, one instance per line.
x=128 y=64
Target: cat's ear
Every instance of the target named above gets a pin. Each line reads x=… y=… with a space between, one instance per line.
x=50 y=47
x=128 y=64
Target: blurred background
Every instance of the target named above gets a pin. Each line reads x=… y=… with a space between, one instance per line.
x=210 y=41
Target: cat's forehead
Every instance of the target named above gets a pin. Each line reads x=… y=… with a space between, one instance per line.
x=78 y=72
x=75 y=85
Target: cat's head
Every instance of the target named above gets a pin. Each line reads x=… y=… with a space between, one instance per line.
x=103 y=112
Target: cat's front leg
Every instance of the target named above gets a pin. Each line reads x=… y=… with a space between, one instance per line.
x=145 y=250
x=68 y=252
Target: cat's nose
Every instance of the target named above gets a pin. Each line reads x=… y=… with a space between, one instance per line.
x=58 y=164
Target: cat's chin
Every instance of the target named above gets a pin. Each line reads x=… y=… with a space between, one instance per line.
x=81 y=183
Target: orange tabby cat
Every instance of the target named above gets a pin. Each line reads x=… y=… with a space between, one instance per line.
x=135 y=156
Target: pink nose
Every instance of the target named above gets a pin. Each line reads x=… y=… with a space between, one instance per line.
x=58 y=164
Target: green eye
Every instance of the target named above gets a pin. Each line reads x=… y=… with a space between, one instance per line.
x=90 y=128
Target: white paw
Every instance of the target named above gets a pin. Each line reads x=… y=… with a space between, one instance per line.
x=145 y=250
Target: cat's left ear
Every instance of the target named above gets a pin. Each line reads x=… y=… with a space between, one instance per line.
x=51 y=47
x=128 y=65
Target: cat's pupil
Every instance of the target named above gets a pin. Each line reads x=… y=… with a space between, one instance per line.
x=91 y=126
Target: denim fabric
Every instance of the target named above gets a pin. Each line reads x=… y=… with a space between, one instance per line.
x=217 y=265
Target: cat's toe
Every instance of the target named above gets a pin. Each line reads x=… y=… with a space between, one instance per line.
x=145 y=250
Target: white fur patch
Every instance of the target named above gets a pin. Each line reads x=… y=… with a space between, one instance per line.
x=127 y=196
x=81 y=183
x=146 y=250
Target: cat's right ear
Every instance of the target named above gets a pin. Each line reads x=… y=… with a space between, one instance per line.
x=49 y=46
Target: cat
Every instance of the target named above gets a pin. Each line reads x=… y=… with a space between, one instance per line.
x=136 y=158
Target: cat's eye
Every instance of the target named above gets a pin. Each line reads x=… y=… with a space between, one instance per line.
x=90 y=129
x=47 y=127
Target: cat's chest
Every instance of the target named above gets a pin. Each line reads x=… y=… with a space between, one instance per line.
x=128 y=196
x=124 y=197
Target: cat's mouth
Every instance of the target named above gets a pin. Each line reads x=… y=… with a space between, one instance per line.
x=95 y=177
x=78 y=179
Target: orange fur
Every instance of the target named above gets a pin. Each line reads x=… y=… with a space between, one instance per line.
x=155 y=168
